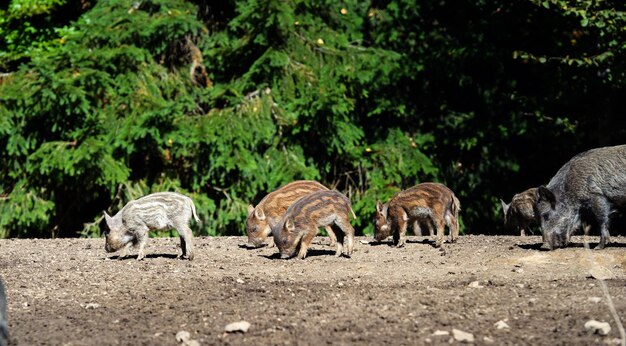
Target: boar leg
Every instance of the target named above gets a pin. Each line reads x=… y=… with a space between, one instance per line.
x=454 y=230
x=331 y=235
x=142 y=239
x=305 y=242
x=400 y=232
x=601 y=210
x=417 y=230
x=347 y=236
x=440 y=225
x=186 y=242
x=125 y=251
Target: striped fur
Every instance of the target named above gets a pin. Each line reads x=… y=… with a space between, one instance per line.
x=274 y=206
x=521 y=212
x=432 y=204
x=302 y=220
x=154 y=212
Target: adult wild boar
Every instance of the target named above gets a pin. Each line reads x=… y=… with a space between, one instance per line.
x=585 y=191
x=274 y=206
x=4 y=328
x=155 y=212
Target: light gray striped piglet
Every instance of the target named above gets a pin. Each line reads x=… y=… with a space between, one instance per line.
x=154 y=212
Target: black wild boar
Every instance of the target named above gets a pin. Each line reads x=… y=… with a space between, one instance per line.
x=584 y=192
x=521 y=212
x=301 y=222
x=430 y=203
x=4 y=328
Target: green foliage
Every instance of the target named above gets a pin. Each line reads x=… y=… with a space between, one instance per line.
x=228 y=101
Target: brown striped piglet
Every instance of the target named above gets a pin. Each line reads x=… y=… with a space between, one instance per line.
x=521 y=212
x=432 y=204
x=155 y=212
x=274 y=205
x=300 y=224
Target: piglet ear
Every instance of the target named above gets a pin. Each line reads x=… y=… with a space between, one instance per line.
x=290 y=226
x=505 y=207
x=544 y=194
x=379 y=207
x=259 y=214
x=250 y=209
x=108 y=219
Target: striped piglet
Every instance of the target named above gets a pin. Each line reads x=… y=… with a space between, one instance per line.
x=154 y=212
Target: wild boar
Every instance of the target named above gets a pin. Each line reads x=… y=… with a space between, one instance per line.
x=417 y=229
x=584 y=192
x=521 y=212
x=429 y=203
x=4 y=328
x=301 y=222
x=274 y=205
x=154 y=212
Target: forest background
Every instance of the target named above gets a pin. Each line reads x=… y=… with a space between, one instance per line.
x=105 y=101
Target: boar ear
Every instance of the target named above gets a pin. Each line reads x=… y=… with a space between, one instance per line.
x=289 y=225
x=108 y=219
x=250 y=209
x=379 y=207
x=544 y=194
x=259 y=214
x=505 y=207
x=271 y=222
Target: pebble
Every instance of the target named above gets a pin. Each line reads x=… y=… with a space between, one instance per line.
x=595 y=300
x=488 y=340
x=241 y=326
x=601 y=273
x=183 y=336
x=475 y=284
x=501 y=325
x=462 y=336
x=596 y=327
x=240 y=281
x=92 y=306
x=441 y=333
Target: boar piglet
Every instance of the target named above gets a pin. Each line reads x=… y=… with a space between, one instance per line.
x=427 y=203
x=301 y=222
x=584 y=192
x=155 y=212
x=521 y=212
x=274 y=205
x=4 y=328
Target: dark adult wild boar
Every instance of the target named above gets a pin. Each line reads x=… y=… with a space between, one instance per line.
x=274 y=205
x=4 y=328
x=521 y=212
x=428 y=203
x=585 y=191
x=155 y=212
x=301 y=222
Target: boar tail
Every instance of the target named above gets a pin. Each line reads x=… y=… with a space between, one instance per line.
x=353 y=214
x=456 y=205
x=193 y=211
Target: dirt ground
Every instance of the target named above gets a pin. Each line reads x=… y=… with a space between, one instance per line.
x=70 y=292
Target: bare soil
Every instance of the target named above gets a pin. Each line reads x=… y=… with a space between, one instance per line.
x=70 y=292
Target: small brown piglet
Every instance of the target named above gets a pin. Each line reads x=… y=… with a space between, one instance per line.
x=429 y=203
x=521 y=212
x=300 y=224
x=274 y=206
